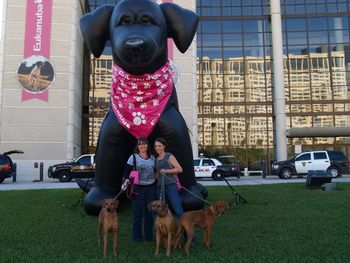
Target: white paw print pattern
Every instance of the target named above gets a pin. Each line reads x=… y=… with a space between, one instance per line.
x=160 y=92
x=131 y=106
x=158 y=83
x=120 y=104
x=138 y=98
x=124 y=95
x=139 y=118
x=133 y=86
x=155 y=102
x=147 y=86
x=143 y=105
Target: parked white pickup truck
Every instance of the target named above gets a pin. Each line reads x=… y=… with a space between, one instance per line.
x=333 y=162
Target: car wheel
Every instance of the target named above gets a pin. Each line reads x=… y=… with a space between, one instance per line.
x=286 y=173
x=1 y=180
x=64 y=176
x=218 y=175
x=334 y=171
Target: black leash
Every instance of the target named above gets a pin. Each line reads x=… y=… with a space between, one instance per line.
x=182 y=187
x=237 y=197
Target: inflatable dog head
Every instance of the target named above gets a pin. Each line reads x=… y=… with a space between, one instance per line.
x=138 y=32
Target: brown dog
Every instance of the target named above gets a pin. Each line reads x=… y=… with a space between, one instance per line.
x=165 y=226
x=34 y=77
x=203 y=218
x=108 y=219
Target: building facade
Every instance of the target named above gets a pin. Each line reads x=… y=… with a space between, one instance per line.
x=53 y=94
x=236 y=77
x=41 y=72
x=226 y=80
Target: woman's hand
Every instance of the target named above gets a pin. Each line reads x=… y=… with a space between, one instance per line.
x=125 y=184
x=163 y=171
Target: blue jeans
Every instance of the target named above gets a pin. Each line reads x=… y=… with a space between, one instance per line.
x=144 y=195
x=173 y=198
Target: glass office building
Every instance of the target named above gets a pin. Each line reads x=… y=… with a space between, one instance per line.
x=235 y=78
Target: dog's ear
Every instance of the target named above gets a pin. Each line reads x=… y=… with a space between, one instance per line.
x=181 y=24
x=94 y=27
x=149 y=206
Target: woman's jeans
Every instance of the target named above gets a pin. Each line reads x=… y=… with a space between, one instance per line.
x=143 y=196
x=173 y=198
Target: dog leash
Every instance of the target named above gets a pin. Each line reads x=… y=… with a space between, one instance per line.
x=182 y=187
x=162 y=189
x=123 y=188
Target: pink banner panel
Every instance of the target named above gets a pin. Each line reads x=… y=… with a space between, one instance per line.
x=37 y=37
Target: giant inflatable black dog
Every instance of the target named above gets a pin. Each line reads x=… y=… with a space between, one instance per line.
x=143 y=96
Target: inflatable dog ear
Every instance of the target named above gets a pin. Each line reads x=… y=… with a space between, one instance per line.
x=181 y=25
x=95 y=29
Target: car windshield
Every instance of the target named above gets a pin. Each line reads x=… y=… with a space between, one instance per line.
x=227 y=159
x=78 y=159
x=293 y=157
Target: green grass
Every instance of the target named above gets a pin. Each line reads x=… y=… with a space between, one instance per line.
x=280 y=223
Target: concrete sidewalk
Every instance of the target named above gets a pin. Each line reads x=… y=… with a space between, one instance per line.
x=244 y=180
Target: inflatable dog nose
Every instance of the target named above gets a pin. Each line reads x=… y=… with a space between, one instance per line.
x=135 y=45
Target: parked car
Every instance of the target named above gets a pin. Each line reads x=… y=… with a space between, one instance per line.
x=210 y=167
x=6 y=165
x=82 y=167
x=333 y=162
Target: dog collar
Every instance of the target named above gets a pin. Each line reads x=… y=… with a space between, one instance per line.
x=165 y=212
x=138 y=101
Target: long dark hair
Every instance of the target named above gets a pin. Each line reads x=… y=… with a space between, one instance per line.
x=162 y=141
x=142 y=140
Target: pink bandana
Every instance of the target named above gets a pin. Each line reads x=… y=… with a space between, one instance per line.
x=138 y=101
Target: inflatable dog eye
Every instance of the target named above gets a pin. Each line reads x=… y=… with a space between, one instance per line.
x=143 y=97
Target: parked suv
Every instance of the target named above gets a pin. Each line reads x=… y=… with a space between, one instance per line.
x=210 y=167
x=6 y=165
x=82 y=167
x=333 y=162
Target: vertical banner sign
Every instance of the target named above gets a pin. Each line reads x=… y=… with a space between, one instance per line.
x=36 y=74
